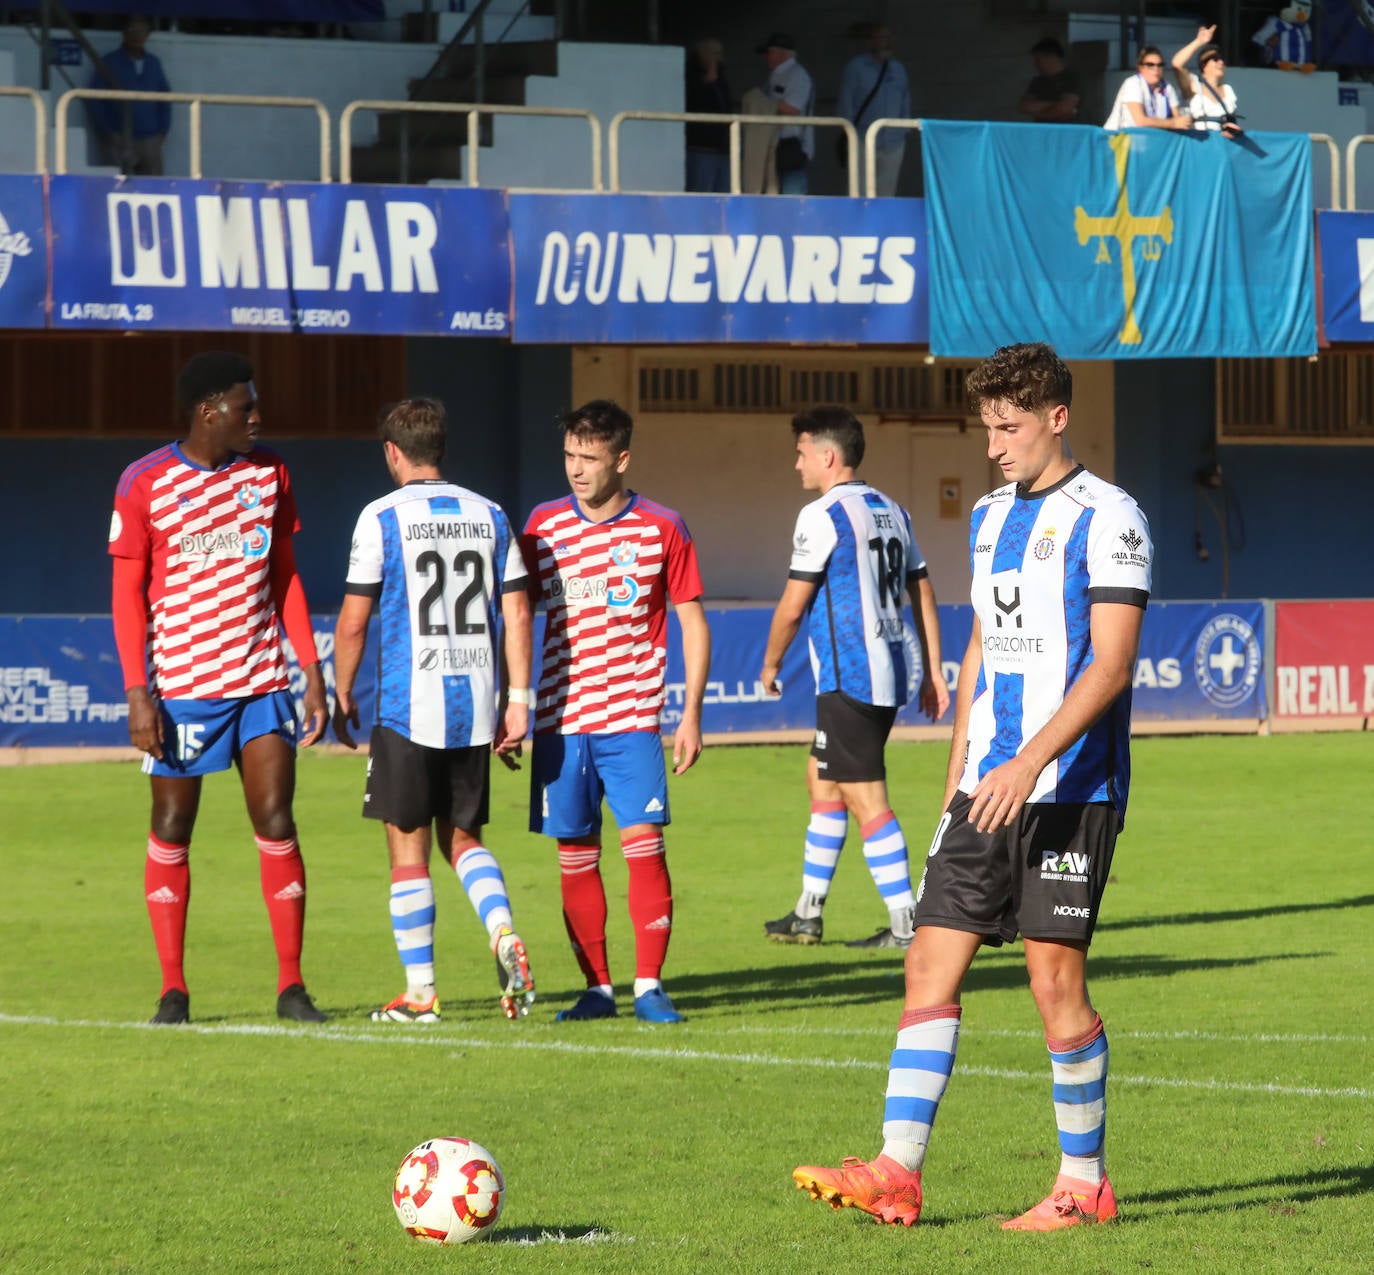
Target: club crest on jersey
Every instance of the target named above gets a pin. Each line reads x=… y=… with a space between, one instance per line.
x=624 y=594
x=625 y=554
x=249 y=496
x=1044 y=547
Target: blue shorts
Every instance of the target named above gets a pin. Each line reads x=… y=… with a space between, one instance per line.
x=570 y=774
x=202 y=736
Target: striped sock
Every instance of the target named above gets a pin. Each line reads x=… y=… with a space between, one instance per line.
x=1079 y=1064
x=282 y=872
x=412 y=922
x=824 y=841
x=927 y=1040
x=481 y=876
x=885 y=854
x=167 y=885
x=651 y=903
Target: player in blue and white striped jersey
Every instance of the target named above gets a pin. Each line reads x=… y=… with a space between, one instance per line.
x=854 y=561
x=1035 y=791
x=442 y=565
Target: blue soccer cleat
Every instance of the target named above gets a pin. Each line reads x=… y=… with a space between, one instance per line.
x=593 y=1003
x=655 y=1007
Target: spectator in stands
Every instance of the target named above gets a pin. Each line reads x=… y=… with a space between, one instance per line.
x=708 y=93
x=875 y=87
x=1211 y=102
x=131 y=133
x=789 y=85
x=1054 y=93
x=1144 y=100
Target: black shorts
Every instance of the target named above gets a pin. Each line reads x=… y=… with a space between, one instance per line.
x=850 y=737
x=409 y=785
x=1042 y=877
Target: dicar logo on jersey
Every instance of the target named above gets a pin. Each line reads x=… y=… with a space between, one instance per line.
x=1044 y=547
x=256 y=543
x=622 y=595
x=1226 y=661
x=248 y=496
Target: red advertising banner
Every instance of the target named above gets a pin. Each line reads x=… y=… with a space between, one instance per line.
x=1323 y=660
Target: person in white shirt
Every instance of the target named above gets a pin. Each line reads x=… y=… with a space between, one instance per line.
x=1211 y=101
x=790 y=86
x=1145 y=100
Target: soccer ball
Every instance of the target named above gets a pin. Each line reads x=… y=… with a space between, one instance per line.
x=448 y=1191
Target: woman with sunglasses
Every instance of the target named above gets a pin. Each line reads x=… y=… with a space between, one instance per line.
x=1211 y=102
x=1145 y=100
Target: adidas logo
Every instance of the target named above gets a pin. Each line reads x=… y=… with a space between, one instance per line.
x=164 y=894
x=293 y=891
x=663 y=923
x=654 y=807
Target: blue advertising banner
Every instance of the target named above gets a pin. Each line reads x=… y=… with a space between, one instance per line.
x=267 y=256
x=1347 y=266
x=23 y=253
x=1144 y=243
x=1200 y=660
x=61 y=684
x=649 y=268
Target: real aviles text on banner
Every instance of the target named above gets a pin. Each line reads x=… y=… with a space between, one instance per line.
x=259 y=256
x=641 y=268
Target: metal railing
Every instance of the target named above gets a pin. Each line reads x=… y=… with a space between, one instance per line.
x=871 y=149
x=1351 y=147
x=195 y=101
x=1330 y=144
x=473 y=110
x=40 y=122
x=734 y=123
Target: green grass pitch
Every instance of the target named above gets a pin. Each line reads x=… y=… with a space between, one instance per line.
x=1232 y=967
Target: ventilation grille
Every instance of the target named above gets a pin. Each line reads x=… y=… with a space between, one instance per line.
x=688 y=383
x=1297 y=400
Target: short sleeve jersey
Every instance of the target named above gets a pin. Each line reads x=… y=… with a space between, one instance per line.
x=1157 y=104
x=436 y=557
x=856 y=545
x=208 y=536
x=1040 y=562
x=606 y=587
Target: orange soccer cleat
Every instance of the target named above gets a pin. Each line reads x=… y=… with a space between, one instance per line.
x=882 y=1188
x=1072 y=1201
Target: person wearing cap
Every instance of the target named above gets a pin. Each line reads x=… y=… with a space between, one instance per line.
x=790 y=87
x=1211 y=102
x=1053 y=95
x=875 y=87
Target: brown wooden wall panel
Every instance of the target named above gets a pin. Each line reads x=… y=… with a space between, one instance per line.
x=62 y=384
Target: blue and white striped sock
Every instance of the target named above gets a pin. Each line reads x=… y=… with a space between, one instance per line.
x=885 y=854
x=927 y=1040
x=824 y=841
x=412 y=922
x=1080 y=1102
x=481 y=876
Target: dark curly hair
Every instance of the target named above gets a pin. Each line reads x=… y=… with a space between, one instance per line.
x=1031 y=377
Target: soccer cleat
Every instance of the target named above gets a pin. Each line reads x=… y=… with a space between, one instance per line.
x=883 y=938
x=593 y=1003
x=173 y=1006
x=655 y=1007
x=1072 y=1201
x=805 y=930
x=882 y=1188
x=403 y=1011
x=294 y=1003
x=513 y=974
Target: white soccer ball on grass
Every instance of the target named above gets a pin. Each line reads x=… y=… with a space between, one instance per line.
x=449 y=1191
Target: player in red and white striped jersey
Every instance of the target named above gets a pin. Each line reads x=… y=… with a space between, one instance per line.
x=204 y=568
x=606 y=562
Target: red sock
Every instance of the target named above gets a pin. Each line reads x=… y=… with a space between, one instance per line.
x=584 y=907
x=167 y=883
x=651 y=903
x=283 y=890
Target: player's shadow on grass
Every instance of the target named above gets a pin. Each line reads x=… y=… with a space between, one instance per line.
x=1285 y=1188
x=801 y=984
x=1239 y=914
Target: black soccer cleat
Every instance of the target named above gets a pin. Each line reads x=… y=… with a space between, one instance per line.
x=792 y=928
x=173 y=1006
x=295 y=1004
x=883 y=938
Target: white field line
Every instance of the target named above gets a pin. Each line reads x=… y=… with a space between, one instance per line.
x=421 y=1038
x=1202 y=1037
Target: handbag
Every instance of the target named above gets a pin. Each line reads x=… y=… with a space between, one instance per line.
x=842 y=142
x=789 y=155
